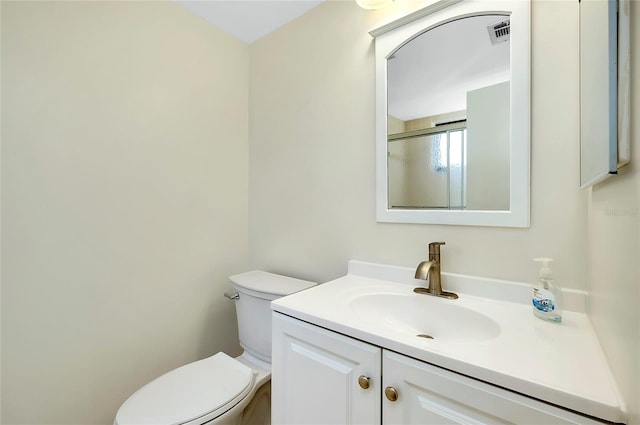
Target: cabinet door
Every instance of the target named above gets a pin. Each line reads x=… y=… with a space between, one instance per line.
x=427 y=394
x=315 y=376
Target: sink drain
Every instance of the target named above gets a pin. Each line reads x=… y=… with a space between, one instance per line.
x=425 y=336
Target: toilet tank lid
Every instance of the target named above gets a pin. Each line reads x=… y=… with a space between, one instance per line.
x=261 y=281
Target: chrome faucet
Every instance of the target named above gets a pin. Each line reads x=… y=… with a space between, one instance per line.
x=430 y=270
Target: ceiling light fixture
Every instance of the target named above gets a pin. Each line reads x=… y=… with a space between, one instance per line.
x=373 y=4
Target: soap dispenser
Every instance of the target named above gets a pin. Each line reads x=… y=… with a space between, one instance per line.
x=546 y=297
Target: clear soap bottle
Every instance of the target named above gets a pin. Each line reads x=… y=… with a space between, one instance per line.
x=546 y=296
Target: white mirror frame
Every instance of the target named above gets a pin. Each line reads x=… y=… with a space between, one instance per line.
x=395 y=34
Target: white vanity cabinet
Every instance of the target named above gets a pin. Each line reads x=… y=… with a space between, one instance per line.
x=428 y=394
x=322 y=377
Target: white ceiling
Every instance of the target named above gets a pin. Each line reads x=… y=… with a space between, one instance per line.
x=432 y=73
x=249 y=20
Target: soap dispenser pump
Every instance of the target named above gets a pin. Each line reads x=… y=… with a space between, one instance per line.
x=546 y=297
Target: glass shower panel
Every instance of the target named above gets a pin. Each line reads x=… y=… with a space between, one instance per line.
x=417 y=172
x=457 y=169
x=435 y=194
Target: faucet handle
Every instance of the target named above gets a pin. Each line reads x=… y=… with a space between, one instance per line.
x=434 y=248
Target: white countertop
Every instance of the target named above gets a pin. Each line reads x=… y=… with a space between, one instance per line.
x=562 y=364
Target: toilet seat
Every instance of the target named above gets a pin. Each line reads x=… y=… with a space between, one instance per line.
x=192 y=394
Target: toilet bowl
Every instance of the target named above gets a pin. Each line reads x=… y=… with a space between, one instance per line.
x=220 y=389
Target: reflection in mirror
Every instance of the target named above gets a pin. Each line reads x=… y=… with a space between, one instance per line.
x=452 y=121
x=428 y=171
x=448 y=83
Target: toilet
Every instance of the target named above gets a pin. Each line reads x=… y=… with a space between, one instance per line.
x=220 y=389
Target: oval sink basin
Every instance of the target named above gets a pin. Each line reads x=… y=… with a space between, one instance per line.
x=424 y=316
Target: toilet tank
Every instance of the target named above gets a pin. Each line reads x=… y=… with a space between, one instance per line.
x=256 y=290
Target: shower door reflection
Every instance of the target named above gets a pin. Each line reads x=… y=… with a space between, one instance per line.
x=428 y=171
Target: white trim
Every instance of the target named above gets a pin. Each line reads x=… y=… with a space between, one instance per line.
x=428 y=10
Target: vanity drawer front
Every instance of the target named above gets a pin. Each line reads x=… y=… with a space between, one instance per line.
x=430 y=395
x=321 y=377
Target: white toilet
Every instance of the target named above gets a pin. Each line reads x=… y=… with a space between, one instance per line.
x=220 y=389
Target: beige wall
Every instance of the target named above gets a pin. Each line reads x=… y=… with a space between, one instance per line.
x=312 y=165
x=614 y=253
x=488 y=147
x=124 y=201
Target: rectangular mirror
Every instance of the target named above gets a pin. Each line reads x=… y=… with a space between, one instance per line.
x=604 y=89
x=452 y=115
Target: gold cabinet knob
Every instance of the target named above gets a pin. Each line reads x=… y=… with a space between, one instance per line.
x=364 y=382
x=391 y=393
